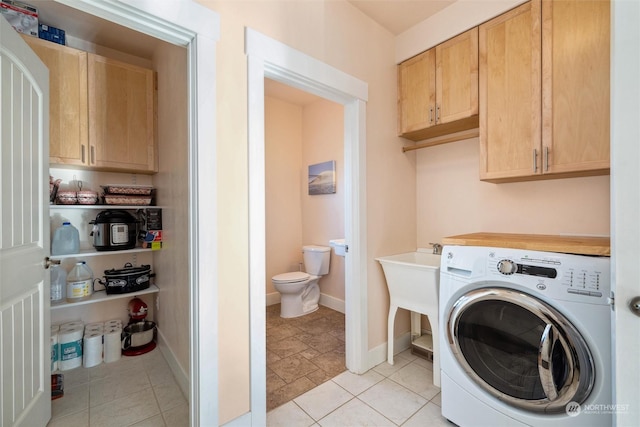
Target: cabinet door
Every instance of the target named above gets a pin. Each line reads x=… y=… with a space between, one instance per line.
x=121 y=116
x=575 y=81
x=68 y=122
x=416 y=92
x=510 y=94
x=457 y=77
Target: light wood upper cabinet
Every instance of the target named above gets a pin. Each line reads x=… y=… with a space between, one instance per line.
x=121 y=115
x=438 y=89
x=102 y=111
x=576 y=86
x=68 y=131
x=510 y=93
x=544 y=94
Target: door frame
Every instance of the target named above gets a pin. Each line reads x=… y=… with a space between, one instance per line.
x=268 y=58
x=197 y=28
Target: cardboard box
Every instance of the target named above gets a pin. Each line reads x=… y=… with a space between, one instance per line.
x=52 y=34
x=21 y=16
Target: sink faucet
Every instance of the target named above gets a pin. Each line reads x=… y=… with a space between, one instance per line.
x=437 y=248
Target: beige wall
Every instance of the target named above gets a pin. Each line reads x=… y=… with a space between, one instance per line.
x=283 y=156
x=338 y=34
x=452 y=200
x=295 y=137
x=323 y=215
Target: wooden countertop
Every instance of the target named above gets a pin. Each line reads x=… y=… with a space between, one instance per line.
x=582 y=245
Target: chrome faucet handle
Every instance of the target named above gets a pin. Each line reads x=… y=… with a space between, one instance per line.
x=437 y=248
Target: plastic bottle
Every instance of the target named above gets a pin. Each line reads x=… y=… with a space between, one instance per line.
x=58 y=284
x=66 y=240
x=79 y=283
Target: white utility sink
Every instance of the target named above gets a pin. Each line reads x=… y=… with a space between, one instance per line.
x=339 y=246
x=413 y=280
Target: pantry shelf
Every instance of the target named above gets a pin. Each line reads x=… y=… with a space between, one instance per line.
x=92 y=252
x=102 y=296
x=124 y=207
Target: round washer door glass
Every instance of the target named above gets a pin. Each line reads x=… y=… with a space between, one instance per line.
x=520 y=349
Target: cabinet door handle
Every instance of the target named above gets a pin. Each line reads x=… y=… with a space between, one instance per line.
x=437 y=113
x=93 y=155
x=83 y=159
x=431 y=115
x=546 y=159
x=535 y=160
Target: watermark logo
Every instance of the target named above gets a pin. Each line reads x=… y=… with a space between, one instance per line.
x=573 y=409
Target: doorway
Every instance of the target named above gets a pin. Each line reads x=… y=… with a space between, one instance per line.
x=267 y=58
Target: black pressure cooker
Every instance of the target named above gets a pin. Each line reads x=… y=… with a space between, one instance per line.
x=114 y=230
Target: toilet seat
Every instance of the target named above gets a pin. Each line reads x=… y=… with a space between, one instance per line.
x=292 y=277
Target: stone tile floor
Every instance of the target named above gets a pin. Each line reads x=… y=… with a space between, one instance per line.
x=302 y=352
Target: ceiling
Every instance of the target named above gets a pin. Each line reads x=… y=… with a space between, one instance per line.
x=397 y=16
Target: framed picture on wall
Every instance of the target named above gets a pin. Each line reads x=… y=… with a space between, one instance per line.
x=322 y=178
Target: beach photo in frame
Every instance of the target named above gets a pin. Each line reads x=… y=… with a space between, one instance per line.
x=322 y=178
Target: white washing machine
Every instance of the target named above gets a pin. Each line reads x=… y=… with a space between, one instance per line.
x=525 y=338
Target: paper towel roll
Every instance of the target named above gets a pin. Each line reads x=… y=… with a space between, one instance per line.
x=71 y=325
x=116 y=323
x=112 y=344
x=55 y=349
x=92 y=350
x=94 y=327
x=70 y=340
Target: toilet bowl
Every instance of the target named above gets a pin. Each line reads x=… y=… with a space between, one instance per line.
x=300 y=291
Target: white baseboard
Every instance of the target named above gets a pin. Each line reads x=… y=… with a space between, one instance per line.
x=325 y=300
x=182 y=377
x=332 y=303
x=273 y=298
x=242 y=421
x=378 y=354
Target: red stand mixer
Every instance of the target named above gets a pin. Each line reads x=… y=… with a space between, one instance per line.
x=138 y=335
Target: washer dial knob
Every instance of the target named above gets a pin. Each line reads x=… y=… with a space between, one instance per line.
x=507 y=267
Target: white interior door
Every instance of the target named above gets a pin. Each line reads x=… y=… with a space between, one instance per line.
x=25 y=352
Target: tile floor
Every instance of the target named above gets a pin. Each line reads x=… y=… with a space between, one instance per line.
x=302 y=352
x=134 y=391
x=401 y=394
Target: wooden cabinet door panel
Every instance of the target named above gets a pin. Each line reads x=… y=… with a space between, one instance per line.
x=457 y=77
x=121 y=115
x=417 y=92
x=68 y=133
x=510 y=94
x=576 y=80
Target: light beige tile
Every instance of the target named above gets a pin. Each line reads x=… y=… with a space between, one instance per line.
x=354 y=413
x=356 y=384
x=155 y=421
x=177 y=417
x=406 y=354
x=437 y=400
x=323 y=399
x=79 y=419
x=429 y=415
x=127 y=410
x=393 y=401
x=424 y=363
x=75 y=399
x=417 y=379
x=75 y=377
x=112 y=387
x=169 y=395
x=288 y=415
x=385 y=369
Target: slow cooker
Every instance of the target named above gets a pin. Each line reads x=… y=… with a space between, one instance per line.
x=127 y=279
x=114 y=230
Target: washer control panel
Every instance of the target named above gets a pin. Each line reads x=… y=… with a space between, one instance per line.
x=559 y=275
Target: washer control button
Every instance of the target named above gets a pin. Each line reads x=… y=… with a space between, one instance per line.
x=507 y=267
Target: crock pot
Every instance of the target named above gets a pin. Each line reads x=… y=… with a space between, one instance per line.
x=114 y=230
x=127 y=279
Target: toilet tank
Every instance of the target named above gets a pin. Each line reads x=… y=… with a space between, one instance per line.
x=316 y=259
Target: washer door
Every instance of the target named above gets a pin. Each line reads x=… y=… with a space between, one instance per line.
x=520 y=349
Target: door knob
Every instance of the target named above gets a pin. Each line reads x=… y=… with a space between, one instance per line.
x=48 y=262
x=634 y=305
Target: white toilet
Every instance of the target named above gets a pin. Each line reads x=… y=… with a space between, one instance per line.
x=299 y=291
